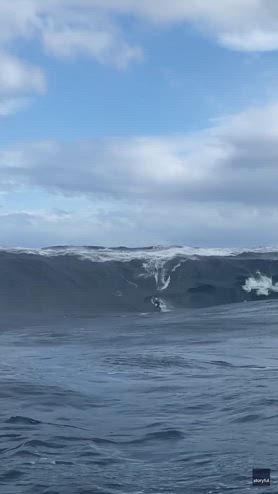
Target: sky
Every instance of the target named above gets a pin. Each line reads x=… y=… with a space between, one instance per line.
x=139 y=122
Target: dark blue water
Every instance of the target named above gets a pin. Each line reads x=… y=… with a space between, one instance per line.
x=159 y=403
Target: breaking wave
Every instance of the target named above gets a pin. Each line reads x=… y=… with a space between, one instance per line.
x=89 y=280
x=261 y=284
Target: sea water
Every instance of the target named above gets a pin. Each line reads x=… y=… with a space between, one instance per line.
x=178 y=402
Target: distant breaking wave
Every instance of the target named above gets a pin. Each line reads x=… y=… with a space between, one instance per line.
x=90 y=280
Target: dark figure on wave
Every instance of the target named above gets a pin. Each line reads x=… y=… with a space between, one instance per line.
x=156 y=302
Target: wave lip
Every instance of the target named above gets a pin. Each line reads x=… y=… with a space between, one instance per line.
x=126 y=254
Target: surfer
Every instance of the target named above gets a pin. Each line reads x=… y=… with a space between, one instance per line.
x=156 y=303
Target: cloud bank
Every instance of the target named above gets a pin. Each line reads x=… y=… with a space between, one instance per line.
x=234 y=160
x=217 y=183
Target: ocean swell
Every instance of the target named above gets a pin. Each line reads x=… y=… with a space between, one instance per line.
x=90 y=280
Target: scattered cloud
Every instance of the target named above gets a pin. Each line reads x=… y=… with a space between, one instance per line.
x=233 y=160
x=254 y=40
x=18 y=82
x=17 y=77
x=63 y=30
x=91 y=27
x=9 y=106
x=216 y=183
x=247 y=25
x=68 y=29
x=96 y=43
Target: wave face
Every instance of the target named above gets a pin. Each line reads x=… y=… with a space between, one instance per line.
x=89 y=280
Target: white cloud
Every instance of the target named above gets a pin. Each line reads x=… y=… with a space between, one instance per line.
x=234 y=160
x=99 y=44
x=72 y=28
x=66 y=29
x=219 y=183
x=9 y=106
x=247 y=25
x=63 y=30
x=18 y=81
x=18 y=19
x=256 y=40
x=191 y=223
x=16 y=76
x=117 y=167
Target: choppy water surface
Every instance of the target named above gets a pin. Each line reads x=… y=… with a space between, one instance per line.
x=160 y=403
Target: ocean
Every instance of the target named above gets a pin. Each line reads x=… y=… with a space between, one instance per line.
x=104 y=391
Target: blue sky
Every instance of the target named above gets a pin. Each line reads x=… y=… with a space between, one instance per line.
x=127 y=123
